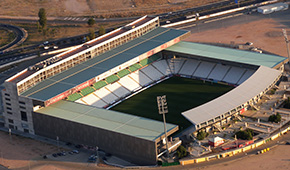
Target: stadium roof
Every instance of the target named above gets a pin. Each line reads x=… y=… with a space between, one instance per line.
x=227 y=54
x=85 y=71
x=139 y=127
x=253 y=86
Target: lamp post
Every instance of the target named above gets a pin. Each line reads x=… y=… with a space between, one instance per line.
x=97 y=150
x=57 y=140
x=162 y=109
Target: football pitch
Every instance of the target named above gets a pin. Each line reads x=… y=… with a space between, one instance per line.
x=181 y=93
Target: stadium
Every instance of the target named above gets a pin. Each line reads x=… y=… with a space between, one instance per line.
x=69 y=96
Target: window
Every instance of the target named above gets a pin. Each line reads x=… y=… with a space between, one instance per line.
x=6 y=94
x=26 y=130
x=7 y=99
x=11 y=127
x=10 y=121
x=23 y=116
x=22 y=107
x=9 y=112
x=8 y=104
x=20 y=102
x=8 y=108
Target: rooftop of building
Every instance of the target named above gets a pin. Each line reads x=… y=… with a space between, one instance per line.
x=253 y=86
x=227 y=54
x=130 y=125
x=89 y=69
x=78 y=49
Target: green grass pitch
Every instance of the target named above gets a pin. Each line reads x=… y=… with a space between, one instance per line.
x=181 y=93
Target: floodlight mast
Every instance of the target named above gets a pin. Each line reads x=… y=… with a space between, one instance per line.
x=287 y=43
x=162 y=108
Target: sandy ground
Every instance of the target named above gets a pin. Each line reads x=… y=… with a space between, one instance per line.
x=277 y=158
x=265 y=34
x=93 y=7
x=17 y=152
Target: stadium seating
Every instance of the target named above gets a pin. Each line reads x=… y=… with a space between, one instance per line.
x=204 y=69
x=73 y=97
x=87 y=91
x=246 y=75
x=177 y=64
x=99 y=103
x=189 y=67
x=99 y=84
x=123 y=73
x=219 y=72
x=106 y=95
x=80 y=101
x=134 y=67
x=92 y=100
x=154 y=58
x=112 y=79
x=145 y=62
x=89 y=99
x=234 y=75
x=117 y=89
x=162 y=66
x=151 y=72
x=129 y=83
x=140 y=77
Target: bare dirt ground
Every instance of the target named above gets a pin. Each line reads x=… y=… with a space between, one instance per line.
x=277 y=158
x=94 y=7
x=17 y=152
x=265 y=34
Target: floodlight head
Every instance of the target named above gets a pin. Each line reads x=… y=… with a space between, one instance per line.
x=162 y=104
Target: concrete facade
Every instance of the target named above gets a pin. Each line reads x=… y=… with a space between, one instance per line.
x=136 y=150
x=17 y=110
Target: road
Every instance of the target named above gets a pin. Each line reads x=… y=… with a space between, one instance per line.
x=20 y=35
x=235 y=19
x=172 y=16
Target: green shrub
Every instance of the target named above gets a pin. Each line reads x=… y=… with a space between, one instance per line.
x=181 y=152
x=275 y=118
x=245 y=134
x=201 y=135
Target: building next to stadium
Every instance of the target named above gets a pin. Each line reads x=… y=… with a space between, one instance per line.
x=65 y=96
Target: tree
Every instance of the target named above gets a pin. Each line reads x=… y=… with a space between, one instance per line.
x=181 y=152
x=102 y=30
x=92 y=34
x=42 y=17
x=91 y=22
x=201 y=135
x=245 y=134
x=275 y=118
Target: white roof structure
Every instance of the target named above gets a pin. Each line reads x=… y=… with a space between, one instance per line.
x=253 y=86
x=215 y=139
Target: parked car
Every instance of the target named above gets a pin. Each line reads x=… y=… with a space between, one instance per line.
x=92 y=158
x=75 y=151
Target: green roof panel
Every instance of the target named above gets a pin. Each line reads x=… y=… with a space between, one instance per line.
x=227 y=54
x=131 y=125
